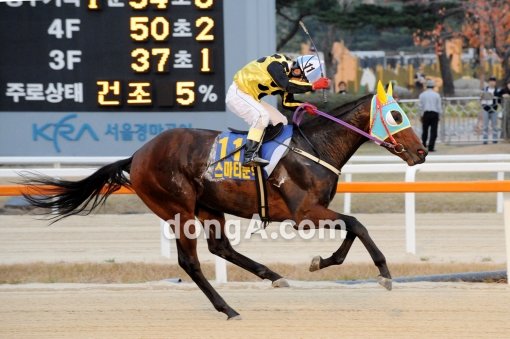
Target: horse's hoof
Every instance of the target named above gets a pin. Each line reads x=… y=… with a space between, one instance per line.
x=282 y=282
x=385 y=282
x=236 y=317
x=316 y=264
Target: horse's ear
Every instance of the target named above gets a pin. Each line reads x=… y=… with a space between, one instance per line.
x=381 y=94
x=389 y=92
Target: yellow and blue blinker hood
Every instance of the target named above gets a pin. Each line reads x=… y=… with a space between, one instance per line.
x=386 y=116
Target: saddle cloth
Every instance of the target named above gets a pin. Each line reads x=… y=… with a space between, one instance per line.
x=231 y=167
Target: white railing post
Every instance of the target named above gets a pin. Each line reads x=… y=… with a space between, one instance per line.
x=164 y=239
x=221 y=271
x=507 y=233
x=499 y=195
x=347 y=196
x=410 y=213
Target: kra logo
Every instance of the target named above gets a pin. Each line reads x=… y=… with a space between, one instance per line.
x=62 y=130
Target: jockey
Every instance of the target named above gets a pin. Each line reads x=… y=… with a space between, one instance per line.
x=270 y=75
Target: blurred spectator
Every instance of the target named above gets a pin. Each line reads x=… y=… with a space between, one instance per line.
x=505 y=92
x=342 y=87
x=489 y=100
x=430 y=110
x=505 y=115
x=419 y=81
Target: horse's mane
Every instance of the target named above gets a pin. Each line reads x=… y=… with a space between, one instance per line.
x=339 y=111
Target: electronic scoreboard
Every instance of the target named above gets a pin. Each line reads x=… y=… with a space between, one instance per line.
x=112 y=56
x=103 y=77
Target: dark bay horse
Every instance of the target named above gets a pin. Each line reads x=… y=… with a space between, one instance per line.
x=169 y=173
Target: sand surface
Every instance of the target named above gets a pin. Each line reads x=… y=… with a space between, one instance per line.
x=305 y=310
x=440 y=238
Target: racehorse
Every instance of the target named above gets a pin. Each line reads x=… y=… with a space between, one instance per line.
x=170 y=174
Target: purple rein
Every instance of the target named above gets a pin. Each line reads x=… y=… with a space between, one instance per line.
x=300 y=111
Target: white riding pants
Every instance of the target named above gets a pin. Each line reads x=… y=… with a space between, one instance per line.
x=257 y=114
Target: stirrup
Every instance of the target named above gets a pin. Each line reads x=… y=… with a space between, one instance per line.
x=255 y=161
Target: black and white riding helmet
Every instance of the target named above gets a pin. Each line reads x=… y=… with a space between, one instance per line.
x=309 y=65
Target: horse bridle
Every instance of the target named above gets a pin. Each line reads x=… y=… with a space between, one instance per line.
x=394 y=144
x=398 y=148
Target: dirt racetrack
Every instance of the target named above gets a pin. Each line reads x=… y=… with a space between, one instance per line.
x=445 y=237
x=305 y=310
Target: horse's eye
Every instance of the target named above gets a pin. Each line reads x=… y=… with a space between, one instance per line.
x=394 y=118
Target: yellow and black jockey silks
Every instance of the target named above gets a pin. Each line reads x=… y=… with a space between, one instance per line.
x=270 y=76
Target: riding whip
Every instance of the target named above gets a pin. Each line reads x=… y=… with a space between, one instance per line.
x=302 y=24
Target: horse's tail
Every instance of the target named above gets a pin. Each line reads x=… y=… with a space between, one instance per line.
x=65 y=198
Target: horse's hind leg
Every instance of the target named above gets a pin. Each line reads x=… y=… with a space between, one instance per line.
x=188 y=260
x=219 y=245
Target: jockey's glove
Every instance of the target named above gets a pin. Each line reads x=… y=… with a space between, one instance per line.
x=322 y=83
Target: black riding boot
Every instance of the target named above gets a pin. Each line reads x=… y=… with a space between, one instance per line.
x=251 y=154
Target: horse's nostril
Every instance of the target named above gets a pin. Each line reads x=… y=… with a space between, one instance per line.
x=422 y=152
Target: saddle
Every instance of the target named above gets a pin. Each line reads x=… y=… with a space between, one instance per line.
x=272 y=131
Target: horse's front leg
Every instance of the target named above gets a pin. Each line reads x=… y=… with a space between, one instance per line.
x=337 y=258
x=354 y=229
